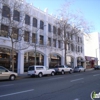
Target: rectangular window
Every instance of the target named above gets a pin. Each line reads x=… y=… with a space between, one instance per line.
x=54 y=42
x=59 y=31
x=42 y=25
x=41 y=40
x=54 y=29
x=26 y=36
x=59 y=44
x=16 y=15
x=49 y=41
x=33 y=38
x=27 y=19
x=6 y=12
x=34 y=22
x=4 y=31
x=15 y=33
x=49 y=28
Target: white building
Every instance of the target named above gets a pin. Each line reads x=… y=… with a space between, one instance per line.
x=92 y=45
x=38 y=26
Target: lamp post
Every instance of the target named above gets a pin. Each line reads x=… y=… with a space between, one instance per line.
x=36 y=42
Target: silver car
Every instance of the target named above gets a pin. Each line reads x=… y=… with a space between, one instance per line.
x=6 y=74
x=79 y=69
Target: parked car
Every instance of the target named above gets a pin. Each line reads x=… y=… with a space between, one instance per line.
x=40 y=71
x=79 y=69
x=6 y=74
x=62 y=69
x=97 y=67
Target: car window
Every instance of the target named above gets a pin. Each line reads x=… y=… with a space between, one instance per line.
x=2 y=69
x=31 y=68
x=39 y=68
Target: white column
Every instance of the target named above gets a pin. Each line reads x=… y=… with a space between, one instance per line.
x=75 y=61
x=46 y=62
x=20 y=67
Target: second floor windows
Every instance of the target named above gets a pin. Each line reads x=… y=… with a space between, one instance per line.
x=54 y=29
x=42 y=25
x=59 y=44
x=16 y=15
x=49 y=28
x=33 y=38
x=27 y=19
x=34 y=22
x=15 y=33
x=49 y=41
x=54 y=42
x=4 y=31
x=41 y=40
x=6 y=12
x=26 y=36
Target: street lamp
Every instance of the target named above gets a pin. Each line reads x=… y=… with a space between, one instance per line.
x=36 y=42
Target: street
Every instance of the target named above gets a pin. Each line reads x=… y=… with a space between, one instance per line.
x=76 y=86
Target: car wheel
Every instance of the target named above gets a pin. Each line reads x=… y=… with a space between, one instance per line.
x=70 y=71
x=40 y=75
x=12 y=77
x=62 y=72
x=52 y=74
x=79 y=71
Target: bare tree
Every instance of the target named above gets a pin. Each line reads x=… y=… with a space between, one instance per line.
x=71 y=24
x=14 y=21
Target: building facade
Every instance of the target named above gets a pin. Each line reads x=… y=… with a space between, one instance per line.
x=92 y=48
x=35 y=32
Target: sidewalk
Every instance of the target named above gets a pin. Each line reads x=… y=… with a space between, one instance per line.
x=89 y=69
x=24 y=75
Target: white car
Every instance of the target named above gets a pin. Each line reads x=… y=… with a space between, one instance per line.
x=40 y=70
x=6 y=74
x=62 y=69
x=79 y=69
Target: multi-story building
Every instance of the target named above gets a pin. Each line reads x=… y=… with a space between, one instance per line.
x=92 y=48
x=37 y=31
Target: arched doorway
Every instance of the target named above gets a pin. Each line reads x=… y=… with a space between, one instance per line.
x=5 y=58
x=29 y=59
x=70 y=61
x=54 y=59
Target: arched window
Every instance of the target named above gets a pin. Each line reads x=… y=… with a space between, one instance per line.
x=6 y=12
x=34 y=22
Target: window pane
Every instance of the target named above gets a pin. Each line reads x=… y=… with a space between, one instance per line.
x=4 y=31
x=41 y=25
x=26 y=36
x=16 y=15
x=54 y=29
x=34 y=22
x=54 y=42
x=49 y=41
x=15 y=33
x=33 y=38
x=41 y=39
x=6 y=12
x=27 y=19
x=49 y=28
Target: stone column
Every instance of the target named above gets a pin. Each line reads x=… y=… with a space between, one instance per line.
x=20 y=67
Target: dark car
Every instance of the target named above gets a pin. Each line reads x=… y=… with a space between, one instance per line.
x=97 y=67
x=79 y=69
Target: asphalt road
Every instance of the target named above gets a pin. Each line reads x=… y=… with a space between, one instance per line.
x=76 y=86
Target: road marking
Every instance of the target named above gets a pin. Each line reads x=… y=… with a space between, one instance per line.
x=96 y=74
x=6 y=85
x=55 y=78
x=16 y=93
x=76 y=79
x=76 y=99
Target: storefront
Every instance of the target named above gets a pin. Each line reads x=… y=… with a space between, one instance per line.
x=91 y=61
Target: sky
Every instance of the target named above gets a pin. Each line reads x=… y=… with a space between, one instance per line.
x=89 y=8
